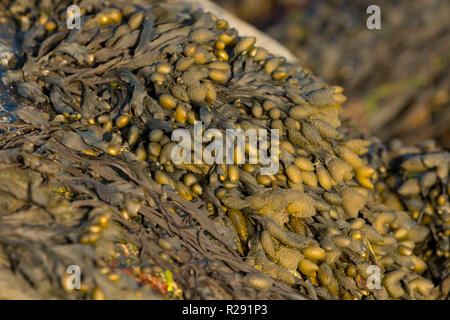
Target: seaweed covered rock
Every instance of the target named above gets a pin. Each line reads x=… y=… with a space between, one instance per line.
x=114 y=91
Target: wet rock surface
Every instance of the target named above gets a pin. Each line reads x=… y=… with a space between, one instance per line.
x=8 y=52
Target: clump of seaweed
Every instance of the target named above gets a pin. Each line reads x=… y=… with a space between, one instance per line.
x=115 y=90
